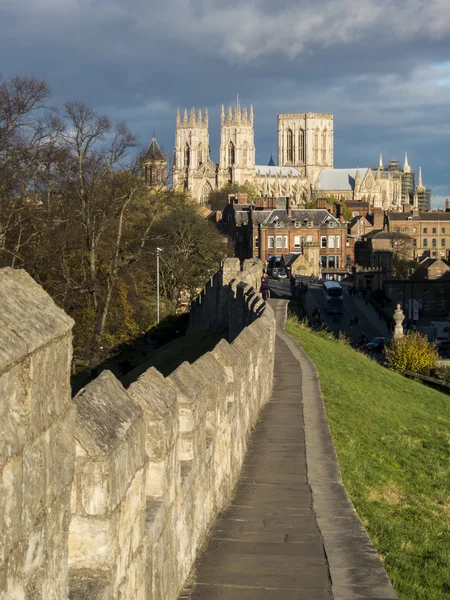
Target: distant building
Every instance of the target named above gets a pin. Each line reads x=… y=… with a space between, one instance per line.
x=429 y=230
x=154 y=165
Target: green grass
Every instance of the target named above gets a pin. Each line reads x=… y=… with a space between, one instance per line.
x=392 y=438
x=167 y=358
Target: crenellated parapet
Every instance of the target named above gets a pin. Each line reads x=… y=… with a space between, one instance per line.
x=112 y=495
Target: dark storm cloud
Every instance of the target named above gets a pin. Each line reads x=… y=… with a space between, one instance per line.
x=382 y=67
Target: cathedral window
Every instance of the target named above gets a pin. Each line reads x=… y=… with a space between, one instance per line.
x=245 y=155
x=200 y=154
x=301 y=146
x=316 y=145
x=289 y=146
x=230 y=154
x=324 y=145
x=187 y=156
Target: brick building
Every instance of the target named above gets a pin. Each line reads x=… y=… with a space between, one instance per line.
x=268 y=228
x=430 y=231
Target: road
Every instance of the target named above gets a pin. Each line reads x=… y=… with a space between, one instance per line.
x=369 y=322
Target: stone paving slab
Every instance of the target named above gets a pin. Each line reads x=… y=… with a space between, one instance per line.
x=290 y=532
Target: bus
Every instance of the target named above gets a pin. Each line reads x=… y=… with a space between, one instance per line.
x=334 y=297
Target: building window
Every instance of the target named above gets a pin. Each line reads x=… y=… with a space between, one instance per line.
x=289 y=146
x=331 y=241
x=405 y=230
x=338 y=242
x=297 y=241
x=200 y=154
x=434 y=230
x=397 y=229
x=187 y=156
x=425 y=229
x=324 y=145
x=256 y=242
x=279 y=241
x=443 y=230
x=425 y=243
x=433 y=242
x=271 y=241
x=316 y=145
x=309 y=239
x=323 y=242
x=434 y=255
x=323 y=260
x=301 y=145
x=414 y=243
x=286 y=241
x=230 y=154
x=443 y=242
x=245 y=155
x=414 y=229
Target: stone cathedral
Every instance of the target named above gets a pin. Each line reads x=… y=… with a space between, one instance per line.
x=305 y=163
x=305 y=147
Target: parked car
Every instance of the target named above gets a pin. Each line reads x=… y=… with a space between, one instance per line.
x=376 y=345
x=279 y=273
x=443 y=347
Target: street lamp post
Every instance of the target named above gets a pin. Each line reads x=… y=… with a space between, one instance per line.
x=158 y=250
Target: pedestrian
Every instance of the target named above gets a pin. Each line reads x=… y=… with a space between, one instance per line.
x=264 y=289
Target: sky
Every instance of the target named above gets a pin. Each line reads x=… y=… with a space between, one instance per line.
x=382 y=67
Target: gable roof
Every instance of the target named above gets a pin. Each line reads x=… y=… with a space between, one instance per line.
x=154 y=152
x=339 y=179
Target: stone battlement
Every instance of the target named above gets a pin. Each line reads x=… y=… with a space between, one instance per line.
x=111 y=494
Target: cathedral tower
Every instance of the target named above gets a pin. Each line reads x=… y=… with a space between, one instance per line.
x=305 y=141
x=191 y=148
x=237 y=146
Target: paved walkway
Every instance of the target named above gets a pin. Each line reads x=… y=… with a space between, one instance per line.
x=290 y=534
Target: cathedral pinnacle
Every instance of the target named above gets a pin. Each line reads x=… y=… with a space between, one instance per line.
x=185 y=116
x=206 y=116
x=192 y=115
x=380 y=165
x=420 y=184
x=406 y=167
x=178 y=115
x=222 y=114
x=251 y=113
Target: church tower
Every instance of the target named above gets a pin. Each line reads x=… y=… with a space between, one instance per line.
x=154 y=165
x=237 y=146
x=191 y=148
x=305 y=141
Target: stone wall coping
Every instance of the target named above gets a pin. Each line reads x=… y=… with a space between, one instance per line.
x=105 y=412
x=29 y=319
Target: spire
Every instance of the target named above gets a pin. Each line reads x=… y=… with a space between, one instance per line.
x=199 y=116
x=420 y=184
x=244 y=114
x=251 y=113
x=192 y=115
x=406 y=167
x=230 y=114
x=380 y=165
x=178 y=115
x=185 y=115
x=222 y=114
x=206 y=116
x=357 y=177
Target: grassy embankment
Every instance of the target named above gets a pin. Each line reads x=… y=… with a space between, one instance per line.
x=392 y=438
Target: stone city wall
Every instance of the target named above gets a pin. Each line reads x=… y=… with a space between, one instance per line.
x=151 y=466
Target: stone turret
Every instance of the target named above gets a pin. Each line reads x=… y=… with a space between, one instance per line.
x=154 y=164
x=237 y=145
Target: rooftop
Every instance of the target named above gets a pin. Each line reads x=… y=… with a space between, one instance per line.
x=339 y=179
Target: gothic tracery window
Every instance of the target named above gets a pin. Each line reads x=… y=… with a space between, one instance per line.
x=200 y=154
x=289 y=146
x=187 y=156
x=230 y=154
x=245 y=155
x=301 y=146
x=316 y=144
x=324 y=145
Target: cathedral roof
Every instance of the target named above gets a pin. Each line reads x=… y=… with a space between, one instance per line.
x=339 y=179
x=153 y=152
x=274 y=171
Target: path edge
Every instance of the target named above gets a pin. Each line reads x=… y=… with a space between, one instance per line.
x=356 y=570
